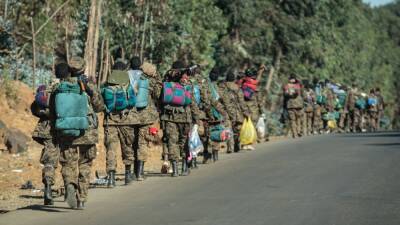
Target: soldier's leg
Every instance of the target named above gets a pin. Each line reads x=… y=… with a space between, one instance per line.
x=184 y=129
x=299 y=121
x=111 y=142
x=141 y=148
x=172 y=135
x=127 y=139
x=69 y=157
x=87 y=153
x=293 y=122
x=49 y=158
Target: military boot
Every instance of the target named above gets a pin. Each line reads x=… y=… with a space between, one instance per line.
x=111 y=179
x=215 y=155
x=174 y=169
x=48 y=198
x=81 y=205
x=194 y=163
x=128 y=174
x=70 y=196
x=140 y=171
x=185 y=168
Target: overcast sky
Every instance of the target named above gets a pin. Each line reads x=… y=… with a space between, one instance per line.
x=377 y=2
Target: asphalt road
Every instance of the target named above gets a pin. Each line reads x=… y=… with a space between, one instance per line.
x=322 y=180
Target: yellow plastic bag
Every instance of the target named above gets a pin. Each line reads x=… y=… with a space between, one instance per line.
x=332 y=124
x=248 y=133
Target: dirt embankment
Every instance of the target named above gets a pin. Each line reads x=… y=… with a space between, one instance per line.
x=17 y=169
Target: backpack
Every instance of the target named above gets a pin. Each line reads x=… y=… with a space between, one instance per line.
x=196 y=92
x=249 y=87
x=361 y=103
x=292 y=89
x=321 y=99
x=140 y=85
x=219 y=133
x=41 y=97
x=214 y=92
x=116 y=98
x=177 y=94
x=342 y=99
x=372 y=101
x=71 y=107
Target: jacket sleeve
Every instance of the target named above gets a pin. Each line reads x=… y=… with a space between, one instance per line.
x=96 y=99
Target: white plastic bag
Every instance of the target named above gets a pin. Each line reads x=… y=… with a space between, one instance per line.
x=260 y=127
x=195 y=144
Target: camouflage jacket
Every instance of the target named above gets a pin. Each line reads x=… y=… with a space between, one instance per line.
x=351 y=100
x=233 y=101
x=330 y=99
x=295 y=102
x=96 y=105
x=134 y=116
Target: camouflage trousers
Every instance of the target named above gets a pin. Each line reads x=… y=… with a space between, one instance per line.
x=342 y=119
x=317 y=120
x=49 y=158
x=176 y=137
x=373 y=120
x=308 y=122
x=234 y=143
x=354 y=120
x=296 y=117
x=133 y=142
x=76 y=161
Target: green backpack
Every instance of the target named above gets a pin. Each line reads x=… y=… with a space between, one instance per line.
x=71 y=107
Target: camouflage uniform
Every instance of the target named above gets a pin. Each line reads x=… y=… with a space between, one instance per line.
x=381 y=108
x=295 y=106
x=233 y=101
x=309 y=97
x=353 y=115
x=373 y=114
x=77 y=154
x=177 y=121
x=130 y=128
x=43 y=135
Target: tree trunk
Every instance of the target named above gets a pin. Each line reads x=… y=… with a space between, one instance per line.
x=90 y=39
x=274 y=70
x=142 y=45
x=34 y=55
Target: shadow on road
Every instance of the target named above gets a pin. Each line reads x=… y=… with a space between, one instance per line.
x=372 y=135
x=55 y=209
x=384 y=144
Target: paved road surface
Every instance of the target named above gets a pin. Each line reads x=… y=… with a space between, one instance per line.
x=324 y=180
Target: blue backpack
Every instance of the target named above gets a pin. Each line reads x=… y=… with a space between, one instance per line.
x=196 y=93
x=71 y=107
x=372 y=101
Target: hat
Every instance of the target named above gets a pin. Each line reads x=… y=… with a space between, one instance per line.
x=76 y=63
x=149 y=69
x=251 y=72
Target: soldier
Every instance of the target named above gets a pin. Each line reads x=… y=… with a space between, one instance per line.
x=42 y=134
x=295 y=104
x=341 y=97
x=381 y=106
x=233 y=101
x=177 y=114
x=319 y=107
x=373 y=110
x=73 y=104
x=216 y=114
x=309 y=102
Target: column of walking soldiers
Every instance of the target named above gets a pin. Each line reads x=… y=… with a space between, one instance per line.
x=327 y=107
x=136 y=100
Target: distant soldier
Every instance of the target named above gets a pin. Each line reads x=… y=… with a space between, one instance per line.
x=373 y=110
x=74 y=103
x=309 y=102
x=295 y=103
x=318 y=107
x=233 y=101
x=43 y=135
x=381 y=106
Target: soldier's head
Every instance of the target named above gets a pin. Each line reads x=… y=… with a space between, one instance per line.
x=62 y=70
x=377 y=90
x=252 y=73
x=292 y=78
x=135 y=63
x=230 y=76
x=372 y=91
x=119 y=65
x=214 y=74
x=175 y=73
